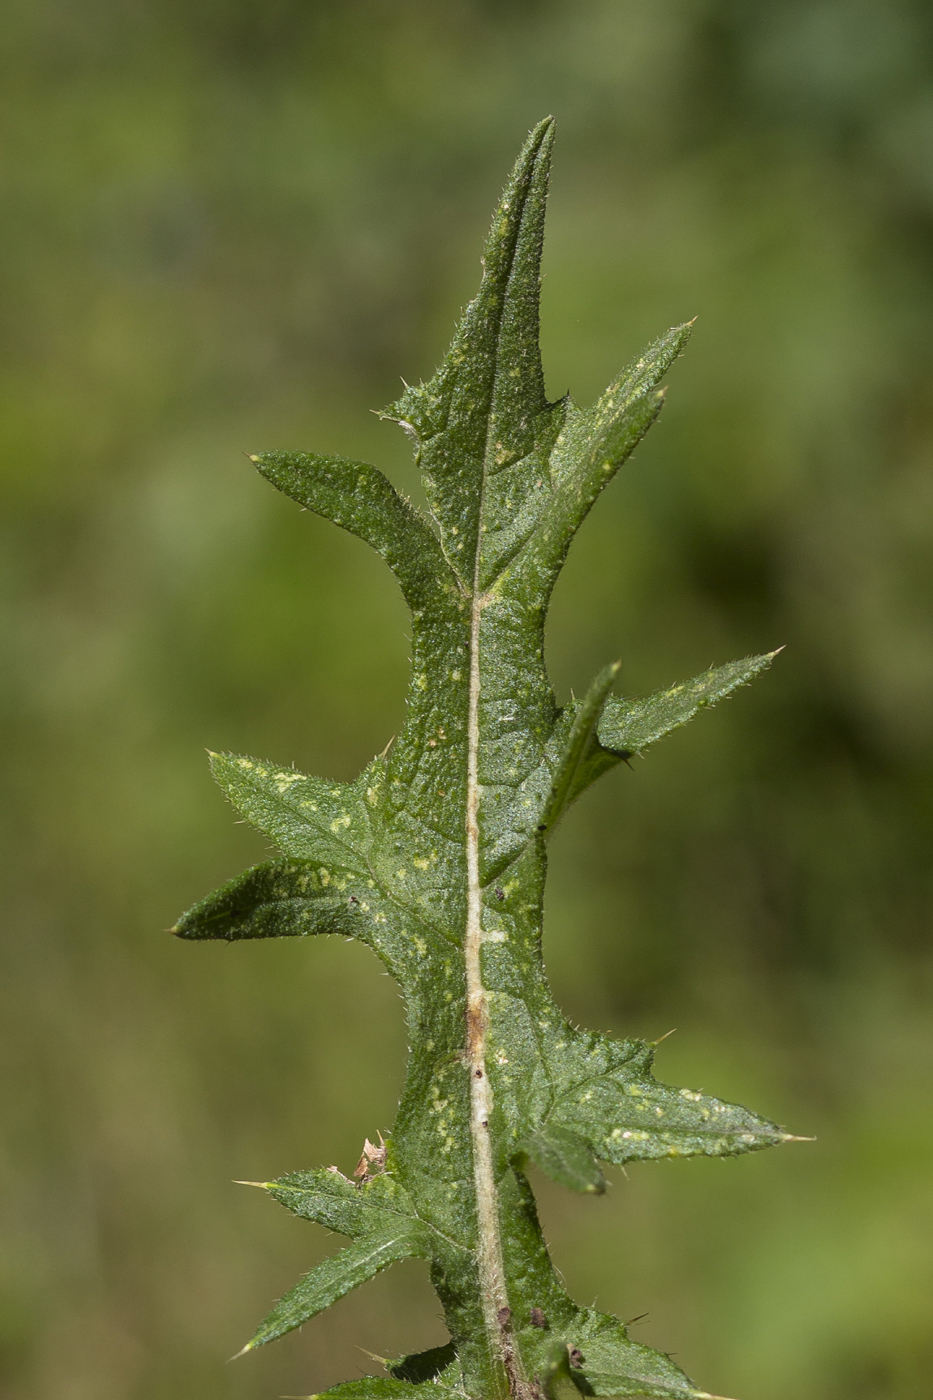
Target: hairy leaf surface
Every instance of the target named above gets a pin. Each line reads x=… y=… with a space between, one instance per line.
x=435 y=857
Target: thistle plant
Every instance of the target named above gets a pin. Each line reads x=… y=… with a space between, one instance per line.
x=435 y=858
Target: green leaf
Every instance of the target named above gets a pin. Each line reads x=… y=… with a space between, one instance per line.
x=383 y=1388
x=334 y=1277
x=424 y=1365
x=565 y=1157
x=280 y=899
x=556 y=1377
x=354 y=1208
x=613 y=1365
x=608 y=1095
x=599 y=1358
x=580 y=745
x=603 y=1093
x=623 y=728
x=480 y=415
x=377 y=1213
x=593 y=444
x=307 y=818
x=629 y=726
x=359 y=498
x=435 y=857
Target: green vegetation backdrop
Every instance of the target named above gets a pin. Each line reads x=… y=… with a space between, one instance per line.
x=229 y=226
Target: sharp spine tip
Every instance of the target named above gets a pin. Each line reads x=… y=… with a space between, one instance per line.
x=373 y=1357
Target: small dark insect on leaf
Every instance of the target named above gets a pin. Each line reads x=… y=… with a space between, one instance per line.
x=577 y=1359
x=504 y=1316
x=537 y=1318
x=500 y=894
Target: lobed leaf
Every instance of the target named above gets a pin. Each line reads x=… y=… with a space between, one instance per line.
x=362 y=501
x=615 y=1366
x=629 y=726
x=334 y=1277
x=594 y=735
x=307 y=818
x=606 y=1093
x=598 y=1358
x=571 y=770
x=434 y=856
x=594 y=442
x=385 y=1388
x=565 y=1157
x=425 y=1365
x=603 y=1093
x=352 y=1208
x=480 y=412
x=556 y=1376
x=280 y=899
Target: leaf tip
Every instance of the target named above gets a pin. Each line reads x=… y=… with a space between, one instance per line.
x=373 y=1357
x=263 y=1185
x=793 y=1137
x=243 y=1350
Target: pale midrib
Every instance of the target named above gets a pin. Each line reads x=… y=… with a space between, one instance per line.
x=489 y=1243
x=490 y=1262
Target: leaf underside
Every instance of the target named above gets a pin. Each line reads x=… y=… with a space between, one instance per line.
x=442 y=840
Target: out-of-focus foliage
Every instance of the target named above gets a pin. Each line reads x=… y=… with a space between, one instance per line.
x=225 y=225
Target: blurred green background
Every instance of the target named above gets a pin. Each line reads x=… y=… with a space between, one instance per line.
x=230 y=225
